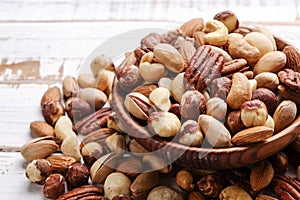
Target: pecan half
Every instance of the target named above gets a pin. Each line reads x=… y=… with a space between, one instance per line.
x=170 y=37
x=92 y=122
x=290 y=78
x=150 y=41
x=205 y=66
x=83 y=192
x=286 y=187
x=233 y=66
x=98 y=136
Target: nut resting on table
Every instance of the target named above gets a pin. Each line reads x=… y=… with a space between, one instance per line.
x=207 y=84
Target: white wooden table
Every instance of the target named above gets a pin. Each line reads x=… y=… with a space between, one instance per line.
x=42 y=41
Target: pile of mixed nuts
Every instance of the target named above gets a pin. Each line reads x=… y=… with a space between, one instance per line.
x=184 y=86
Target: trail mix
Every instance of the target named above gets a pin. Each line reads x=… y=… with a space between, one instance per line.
x=177 y=84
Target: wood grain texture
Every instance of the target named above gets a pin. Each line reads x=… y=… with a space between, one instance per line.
x=41 y=41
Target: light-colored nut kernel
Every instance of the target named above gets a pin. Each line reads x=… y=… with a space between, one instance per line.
x=229 y=19
x=70 y=86
x=217 y=33
x=217 y=108
x=262 y=29
x=234 y=192
x=270 y=122
x=91 y=152
x=143 y=183
x=177 y=87
x=104 y=81
x=116 y=184
x=136 y=148
x=270 y=62
x=63 y=128
x=185 y=180
x=259 y=41
x=94 y=97
x=164 y=124
x=160 y=97
x=166 y=193
x=116 y=143
x=190 y=134
x=254 y=113
x=268 y=80
x=38 y=148
x=151 y=72
x=265 y=197
x=239 y=92
x=192 y=104
x=253 y=84
x=221 y=51
x=41 y=129
x=238 y=47
x=147 y=57
x=284 y=114
x=215 y=132
x=167 y=55
x=70 y=147
x=166 y=83
x=104 y=166
x=101 y=62
x=86 y=81
x=38 y=170
x=138 y=105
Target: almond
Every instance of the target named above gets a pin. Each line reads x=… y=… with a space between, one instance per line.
x=252 y=135
x=52 y=94
x=60 y=163
x=190 y=27
x=41 y=129
x=261 y=175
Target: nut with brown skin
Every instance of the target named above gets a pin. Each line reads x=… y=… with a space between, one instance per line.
x=211 y=185
x=91 y=152
x=77 y=108
x=185 y=180
x=234 y=192
x=41 y=129
x=84 y=192
x=130 y=166
x=55 y=186
x=284 y=114
x=261 y=175
x=195 y=195
x=192 y=104
x=191 y=26
x=94 y=97
x=254 y=113
x=280 y=162
x=189 y=134
x=268 y=97
x=229 y=19
x=52 y=110
x=38 y=170
x=77 y=175
x=60 y=163
x=143 y=183
x=234 y=122
x=145 y=89
x=298 y=172
x=52 y=94
x=286 y=187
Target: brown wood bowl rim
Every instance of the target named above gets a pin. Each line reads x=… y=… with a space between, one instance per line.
x=219 y=158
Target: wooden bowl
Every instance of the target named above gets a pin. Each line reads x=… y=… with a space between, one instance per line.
x=204 y=158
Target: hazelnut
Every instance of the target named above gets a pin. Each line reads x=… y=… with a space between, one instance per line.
x=91 y=152
x=229 y=19
x=52 y=110
x=192 y=104
x=211 y=185
x=234 y=122
x=185 y=180
x=270 y=122
x=77 y=175
x=254 y=113
x=38 y=170
x=164 y=124
x=55 y=186
x=189 y=134
x=116 y=184
x=77 y=108
x=266 y=96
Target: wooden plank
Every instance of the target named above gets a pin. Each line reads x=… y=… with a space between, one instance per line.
x=175 y=10
x=14 y=184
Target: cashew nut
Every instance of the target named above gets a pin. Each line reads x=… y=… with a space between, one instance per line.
x=239 y=48
x=217 y=33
